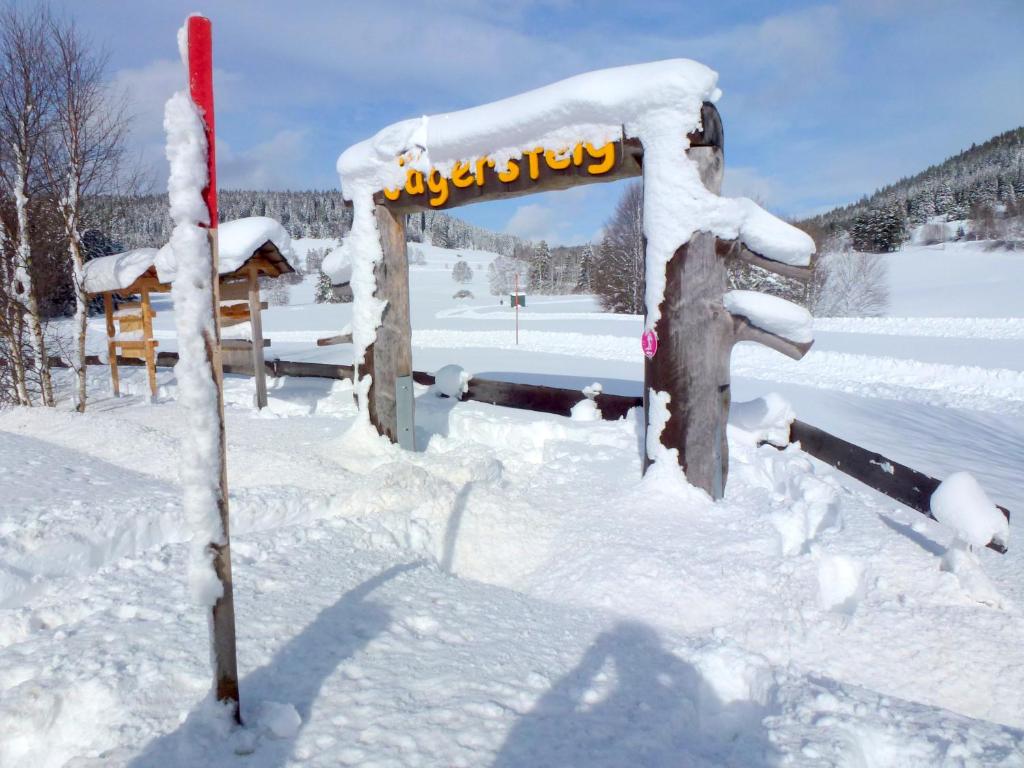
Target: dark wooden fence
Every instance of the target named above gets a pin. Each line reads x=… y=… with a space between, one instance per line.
x=895 y=480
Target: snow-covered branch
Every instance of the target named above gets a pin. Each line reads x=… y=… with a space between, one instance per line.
x=769 y=320
x=737 y=250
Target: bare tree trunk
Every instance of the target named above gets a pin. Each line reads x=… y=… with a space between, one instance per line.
x=81 y=311
x=89 y=129
x=18 y=356
x=23 y=276
x=11 y=323
x=26 y=90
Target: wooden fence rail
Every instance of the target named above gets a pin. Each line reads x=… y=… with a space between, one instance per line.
x=897 y=481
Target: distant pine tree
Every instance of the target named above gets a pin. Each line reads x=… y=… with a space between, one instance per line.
x=324 y=290
x=462 y=272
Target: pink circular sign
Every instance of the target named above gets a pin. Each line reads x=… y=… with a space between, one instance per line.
x=649 y=344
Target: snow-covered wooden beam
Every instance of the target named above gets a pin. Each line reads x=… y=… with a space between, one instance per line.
x=330 y=341
x=538 y=170
x=734 y=249
x=744 y=330
x=897 y=481
x=771 y=321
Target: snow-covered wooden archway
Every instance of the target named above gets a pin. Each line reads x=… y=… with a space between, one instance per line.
x=655 y=120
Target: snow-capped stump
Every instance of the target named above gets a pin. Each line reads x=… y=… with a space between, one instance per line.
x=451 y=381
x=962 y=504
x=762 y=420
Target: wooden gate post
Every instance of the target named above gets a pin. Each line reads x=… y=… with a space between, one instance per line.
x=108 y=313
x=259 y=370
x=695 y=338
x=148 y=350
x=391 y=354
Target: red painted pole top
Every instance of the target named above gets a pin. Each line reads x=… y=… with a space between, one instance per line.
x=200 y=83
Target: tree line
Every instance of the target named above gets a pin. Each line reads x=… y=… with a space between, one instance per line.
x=984 y=183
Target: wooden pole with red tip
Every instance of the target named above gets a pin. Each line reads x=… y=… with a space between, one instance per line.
x=222 y=627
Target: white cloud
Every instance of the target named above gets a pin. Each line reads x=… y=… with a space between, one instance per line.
x=146 y=90
x=534 y=221
x=417 y=50
x=747 y=182
x=273 y=164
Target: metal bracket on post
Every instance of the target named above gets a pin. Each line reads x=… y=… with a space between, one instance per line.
x=404 y=413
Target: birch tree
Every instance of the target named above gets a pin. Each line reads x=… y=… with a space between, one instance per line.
x=25 y=109
x=84 y=153
x=13 y=385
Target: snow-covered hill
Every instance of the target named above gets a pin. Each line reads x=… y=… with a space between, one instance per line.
x=514 y=594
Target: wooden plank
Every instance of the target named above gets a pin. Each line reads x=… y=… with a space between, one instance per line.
x=627 y=164
x=108 y=312
x=229 y=322
x=537 y=174
x=262 y=265
x=897 y=481
x=239 y=308
x=137 y=344
x=257 y=337
x=147 y=335
x=329 y=341
x=391 y=355
x=310 y=370
x=535 y=397
x=234 y=311
x=234 y=290
x=129 y=323
x=240 y=344
x=695 y=339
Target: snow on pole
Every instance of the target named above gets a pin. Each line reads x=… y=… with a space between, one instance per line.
x=191 y=190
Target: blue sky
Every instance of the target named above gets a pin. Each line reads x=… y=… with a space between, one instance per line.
x=822 y=102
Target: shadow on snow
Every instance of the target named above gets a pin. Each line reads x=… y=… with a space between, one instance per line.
x=295 y=675
x=631 y=702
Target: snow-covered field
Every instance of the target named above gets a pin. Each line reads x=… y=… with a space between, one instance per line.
x=514 y=594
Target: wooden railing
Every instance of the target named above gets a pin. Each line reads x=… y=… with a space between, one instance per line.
x=897 y=481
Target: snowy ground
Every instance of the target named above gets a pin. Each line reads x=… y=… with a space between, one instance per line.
x=514 y=594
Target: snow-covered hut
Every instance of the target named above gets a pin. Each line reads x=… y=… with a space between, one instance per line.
x=130 y=325
x=257 y=243
x=247 y=249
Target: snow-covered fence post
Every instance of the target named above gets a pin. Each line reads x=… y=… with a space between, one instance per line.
x=700 y=321
x=259 y=369
x=390 y=356
x=694 y=333
x=193 y=197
